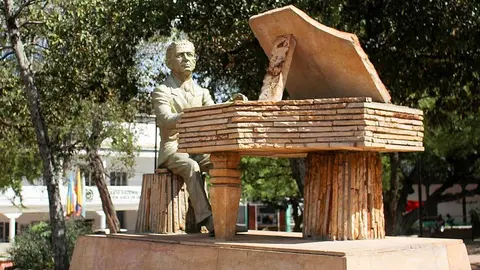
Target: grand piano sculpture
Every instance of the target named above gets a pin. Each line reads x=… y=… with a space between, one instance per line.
x=339 y=117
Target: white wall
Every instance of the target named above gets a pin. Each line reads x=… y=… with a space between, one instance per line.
x=143 y=165
x=130 y=220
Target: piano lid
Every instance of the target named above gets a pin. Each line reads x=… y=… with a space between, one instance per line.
x=327 y=63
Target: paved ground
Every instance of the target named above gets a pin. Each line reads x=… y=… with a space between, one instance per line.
x=473 y=248
x=475 y=262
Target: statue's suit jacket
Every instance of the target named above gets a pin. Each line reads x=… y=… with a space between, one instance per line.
x=169 y=101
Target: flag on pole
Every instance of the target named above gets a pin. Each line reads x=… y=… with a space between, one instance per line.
x=70 y=197
x=80 y=193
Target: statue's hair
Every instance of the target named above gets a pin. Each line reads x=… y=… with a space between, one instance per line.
x=172 y=48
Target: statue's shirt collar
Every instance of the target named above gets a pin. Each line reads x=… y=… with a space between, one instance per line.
x=187 y=86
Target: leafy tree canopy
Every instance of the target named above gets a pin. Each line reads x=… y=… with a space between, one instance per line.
x=267 y=179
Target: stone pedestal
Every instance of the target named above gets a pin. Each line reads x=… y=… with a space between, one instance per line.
x=225 y=193
x=265 y=250
x=343 y=196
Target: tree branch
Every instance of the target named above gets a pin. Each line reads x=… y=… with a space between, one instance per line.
x=6 y=48
x=457 y=196
x=448 y=183
x=37 y=45
x=30 y=23
x=70 y=146
x=22 y=7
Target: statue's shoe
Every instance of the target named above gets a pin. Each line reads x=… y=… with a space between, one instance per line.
x=208 y=223
x=237 y=229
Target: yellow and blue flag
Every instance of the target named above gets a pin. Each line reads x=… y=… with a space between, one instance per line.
x=70 y=197
x=80 y=195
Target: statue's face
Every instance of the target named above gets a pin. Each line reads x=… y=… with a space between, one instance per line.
x=183 y=61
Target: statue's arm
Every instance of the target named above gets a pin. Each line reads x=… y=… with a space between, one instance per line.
x=207 y=98
x=161 y=100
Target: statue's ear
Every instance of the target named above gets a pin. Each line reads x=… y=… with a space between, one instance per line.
x=167 y=62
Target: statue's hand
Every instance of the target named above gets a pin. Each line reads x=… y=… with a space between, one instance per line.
x=239 y=96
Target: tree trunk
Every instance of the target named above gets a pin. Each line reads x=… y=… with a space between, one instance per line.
x=297 y=217
x=298 y=172
x=394 y=198
x=98 y=176
x=57 y=219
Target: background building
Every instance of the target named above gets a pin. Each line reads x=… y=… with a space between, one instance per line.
x=124 y=188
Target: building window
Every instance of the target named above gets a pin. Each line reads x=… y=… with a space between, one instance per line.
x=118 y=179
x=266 y=217
x=5 y=231
x=121 y=218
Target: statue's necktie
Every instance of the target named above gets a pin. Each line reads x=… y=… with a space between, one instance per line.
x=188 y=92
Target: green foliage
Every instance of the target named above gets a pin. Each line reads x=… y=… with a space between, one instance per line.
x=95 y=81
x=83 y=59
x=386 y=172
x=18 y=147
x=32 y=249
x=420 y=48
x=267 y=179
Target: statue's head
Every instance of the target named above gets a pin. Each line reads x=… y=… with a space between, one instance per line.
x=180 y=57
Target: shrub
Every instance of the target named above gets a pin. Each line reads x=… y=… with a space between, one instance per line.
x=33 y=248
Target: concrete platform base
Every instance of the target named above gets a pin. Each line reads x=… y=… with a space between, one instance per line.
x=265 y=250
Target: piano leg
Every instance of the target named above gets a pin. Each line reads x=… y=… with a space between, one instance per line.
x=225 y=193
